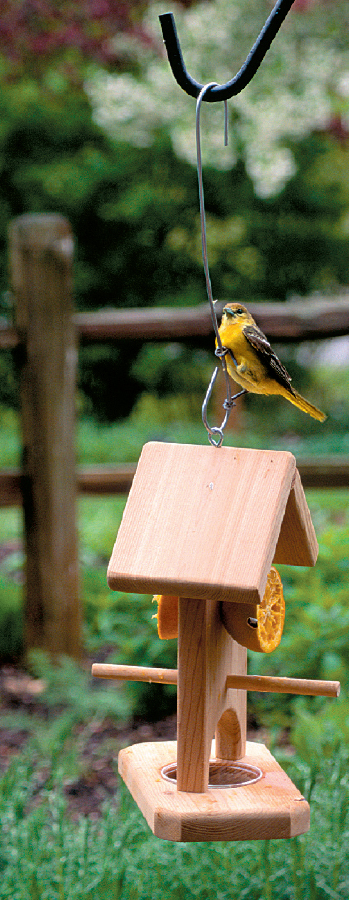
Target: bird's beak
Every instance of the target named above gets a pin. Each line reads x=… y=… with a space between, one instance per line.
x=228 y=311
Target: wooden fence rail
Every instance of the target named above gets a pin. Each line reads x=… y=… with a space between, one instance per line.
x=45 y=332
x=327 y=472
x=287 y=322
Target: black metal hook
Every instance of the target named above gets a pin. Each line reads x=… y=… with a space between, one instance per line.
x=248 y=69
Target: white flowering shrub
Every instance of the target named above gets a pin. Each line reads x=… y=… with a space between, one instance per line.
x=301 y=85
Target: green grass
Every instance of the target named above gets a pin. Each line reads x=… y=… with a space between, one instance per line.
x=46 y=854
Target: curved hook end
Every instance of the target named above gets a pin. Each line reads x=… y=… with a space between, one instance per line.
x=175 y=58
x=249 y=67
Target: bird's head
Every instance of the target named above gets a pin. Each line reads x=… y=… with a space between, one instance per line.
x=234 y=313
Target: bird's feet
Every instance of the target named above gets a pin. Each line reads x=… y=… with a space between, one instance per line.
x=229 y=404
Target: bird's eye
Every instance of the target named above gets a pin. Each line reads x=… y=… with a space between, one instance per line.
x=239 y=311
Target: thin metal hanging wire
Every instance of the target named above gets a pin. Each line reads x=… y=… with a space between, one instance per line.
x=215 y=433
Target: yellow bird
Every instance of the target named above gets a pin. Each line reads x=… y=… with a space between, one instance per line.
x=251 y=361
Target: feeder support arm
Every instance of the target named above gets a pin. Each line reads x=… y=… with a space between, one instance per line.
x=248 y=69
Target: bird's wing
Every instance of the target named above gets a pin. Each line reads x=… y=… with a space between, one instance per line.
x=259 y=342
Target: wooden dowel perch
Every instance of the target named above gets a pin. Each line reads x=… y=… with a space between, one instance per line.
x=135 y=673
x=262 y=683
x=275 y=685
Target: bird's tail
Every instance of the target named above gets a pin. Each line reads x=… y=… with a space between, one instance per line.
x=303 y=404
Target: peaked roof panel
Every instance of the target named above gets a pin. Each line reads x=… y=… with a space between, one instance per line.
x=207 y=522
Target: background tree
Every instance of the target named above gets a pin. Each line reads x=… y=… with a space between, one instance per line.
x=99 y=141
x=35 y=34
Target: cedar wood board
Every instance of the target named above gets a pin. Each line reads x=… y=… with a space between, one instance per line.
x=207 y=523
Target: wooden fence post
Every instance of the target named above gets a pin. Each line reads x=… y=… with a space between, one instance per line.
x=41 y=253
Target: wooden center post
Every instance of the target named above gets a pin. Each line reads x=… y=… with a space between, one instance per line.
x=206 y=656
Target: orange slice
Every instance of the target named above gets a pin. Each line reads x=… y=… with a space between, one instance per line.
x=258 y=627
x=167 y=616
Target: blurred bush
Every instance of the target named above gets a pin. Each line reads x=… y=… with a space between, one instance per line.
x=134 y=213
x=314 y=642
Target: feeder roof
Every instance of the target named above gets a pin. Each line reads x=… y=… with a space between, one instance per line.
x=208 y=523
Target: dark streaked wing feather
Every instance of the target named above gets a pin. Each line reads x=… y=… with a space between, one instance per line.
x=260 y=343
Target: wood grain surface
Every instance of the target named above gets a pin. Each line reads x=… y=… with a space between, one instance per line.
x=270 y=808
x=204 y=523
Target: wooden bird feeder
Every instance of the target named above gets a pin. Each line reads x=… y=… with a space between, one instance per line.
x=206 y=524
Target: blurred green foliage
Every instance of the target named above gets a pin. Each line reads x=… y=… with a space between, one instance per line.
x=315 y=639
x=134 y=214
x=134 y=211
x=314 y=643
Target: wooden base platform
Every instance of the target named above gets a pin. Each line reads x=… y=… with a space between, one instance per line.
x=271 y=807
